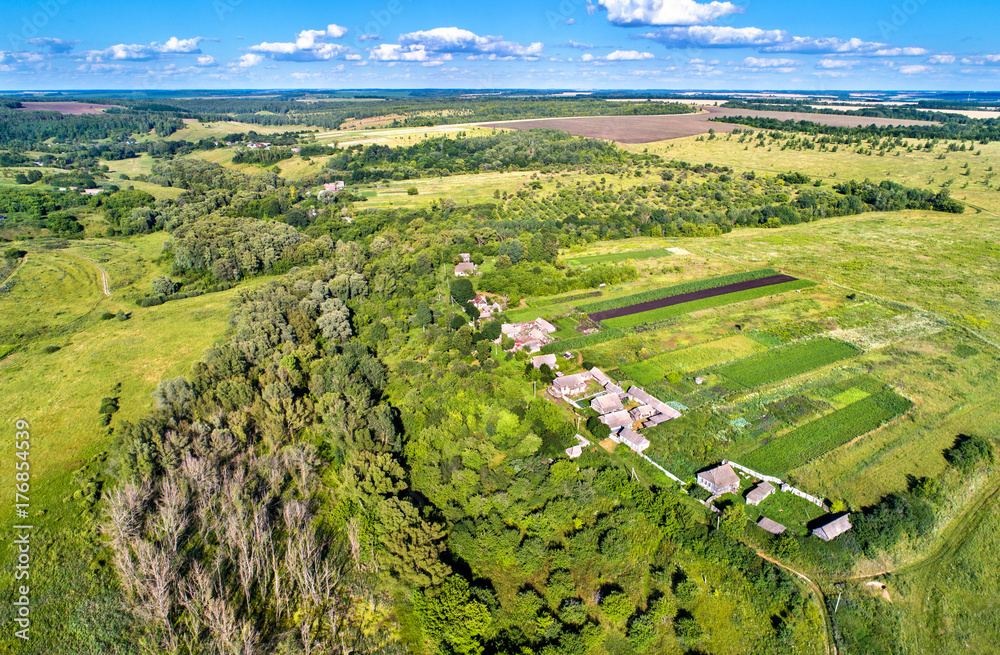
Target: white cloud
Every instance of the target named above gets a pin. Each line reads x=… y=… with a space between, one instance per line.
x=829 y=64
x=629 y=55
x=396 y=52
x=942 y=59
x=309 y=45
x=754 y=62
x=981 y=61
x=353 y=57
x=580 y=46
x=914 y=69
x=666 y=12
x=587 y=57
x=141 y=52
x=248 y=60
x=712 y=36
x=453 y=40
x=206 y=60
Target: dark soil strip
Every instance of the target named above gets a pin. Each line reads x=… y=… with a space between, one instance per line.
x=692 y=295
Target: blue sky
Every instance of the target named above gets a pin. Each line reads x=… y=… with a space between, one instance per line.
x=576 y=44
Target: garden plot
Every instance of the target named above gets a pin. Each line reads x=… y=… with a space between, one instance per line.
x=781 y=363
x=692 y=358
x=903 y=327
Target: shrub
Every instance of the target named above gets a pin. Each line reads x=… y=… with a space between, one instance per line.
x=48 y=350
x=107 y=316
x=412 y=191
x=968 y=451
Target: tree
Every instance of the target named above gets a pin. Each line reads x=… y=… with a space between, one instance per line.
x=162 y=286
x=412 y=191
x=335 y=321
x=462 y=291
x=423 y=316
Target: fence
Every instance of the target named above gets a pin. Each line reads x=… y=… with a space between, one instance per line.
x=781 y=485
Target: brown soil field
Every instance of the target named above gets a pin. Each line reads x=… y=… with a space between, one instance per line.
x=645 y=129
x=692 y=295
x=67 y=108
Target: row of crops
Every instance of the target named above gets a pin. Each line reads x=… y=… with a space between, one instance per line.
x=786 y=362
x=675 y=290
x=824 y=434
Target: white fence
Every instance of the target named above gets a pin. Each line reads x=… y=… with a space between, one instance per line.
x=665 y=471
x=781 y=485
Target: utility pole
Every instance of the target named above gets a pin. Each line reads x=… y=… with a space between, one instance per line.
x=533 y=383
x=838 y=602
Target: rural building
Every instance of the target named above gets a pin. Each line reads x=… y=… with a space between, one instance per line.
x=617 y=420
x=334 y=187
x=485 y=307
x=600 y=377
x=771 y=526
x=465 y=269
x=642 y=412
x=549 y=360
x=639 y=395
x=569 y=385
x=611 y=387
x=632 y=439
x=720 y=480
x=607 y=404
x=575 y=451
x=91 y=192
x=834 y=528
x=759 y=493
x=656 y=420
x=465 y=257
x=526 y=336
x=544 y=326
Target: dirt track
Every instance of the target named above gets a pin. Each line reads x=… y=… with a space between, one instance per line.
x=645 y=129
x=692 y=295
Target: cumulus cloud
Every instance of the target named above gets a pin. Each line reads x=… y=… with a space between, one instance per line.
x=396 y=52
x=914 y=69
x=714 y=36
x=755 y=62
x=834 y=64
x=146 y=52
x=579 y=46
x=629 y=55
x=981 y=60
x=249 y=59
x=666 y=12
x=453 y=40
x=206 y=60
x=55 y=46
x=942 y=59
x=309 y=45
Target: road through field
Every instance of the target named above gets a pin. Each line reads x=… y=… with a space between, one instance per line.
x=821 y=599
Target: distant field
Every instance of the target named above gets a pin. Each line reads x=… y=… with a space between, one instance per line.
x=824 y=434
x=66 y=108
x=782 y=363
x=704 y=303
x=617 y=257
x=646 y=129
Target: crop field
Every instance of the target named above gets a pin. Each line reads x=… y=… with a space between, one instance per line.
x=68 y=108
x=705 y=303
x=824 y=434
x=782 y=363
x=692 y=358
x=617 y=257
x=647 y=129
x=674 y=290
x=681 y=298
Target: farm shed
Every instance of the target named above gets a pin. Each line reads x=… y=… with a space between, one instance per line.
x=464 y=269
x=607 y=404
x=834 y=528
x=545 y=326
x=720 y=480
x=632 y=439
x=617 y=420
x=759 y=493
x=642 y=412
x=600 y=377
x=771 y=526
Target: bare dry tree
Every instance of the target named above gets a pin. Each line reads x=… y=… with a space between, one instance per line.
x=172 y=513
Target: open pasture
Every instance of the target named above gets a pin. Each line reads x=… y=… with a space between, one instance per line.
x=69 y=108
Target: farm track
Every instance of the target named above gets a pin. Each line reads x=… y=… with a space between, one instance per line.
x=14 y=272
x=820 y=598
x=670 y=301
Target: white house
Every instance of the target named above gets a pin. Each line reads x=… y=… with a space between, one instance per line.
x=569 y=385
x=720 y=480
x=550 y=360
x=607 y=404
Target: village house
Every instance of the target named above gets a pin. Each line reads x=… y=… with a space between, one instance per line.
x=485 y=307
x=771 y=526
x=600 y=377
x=834 y=528
x=639 y=395
x=617 y=420
x=632 y=439
x=607 y=404
x=549 y=360
x=575 y=451
x=759 y=493
x=569 y=385
x=466 y=257
x=91 y=192
x=719 y=480
x=465 y=269
x=642 y=412
x=334 y=187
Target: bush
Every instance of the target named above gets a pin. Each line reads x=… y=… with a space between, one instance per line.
x=14 y=253
x=107 y=316
x=412 y=191
x=968 y=451
x=48 y=350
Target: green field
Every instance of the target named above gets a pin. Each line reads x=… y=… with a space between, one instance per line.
x=617 y=257
x=705 y=303
x=782 y=363
x=692 y=358
x=824 y=434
